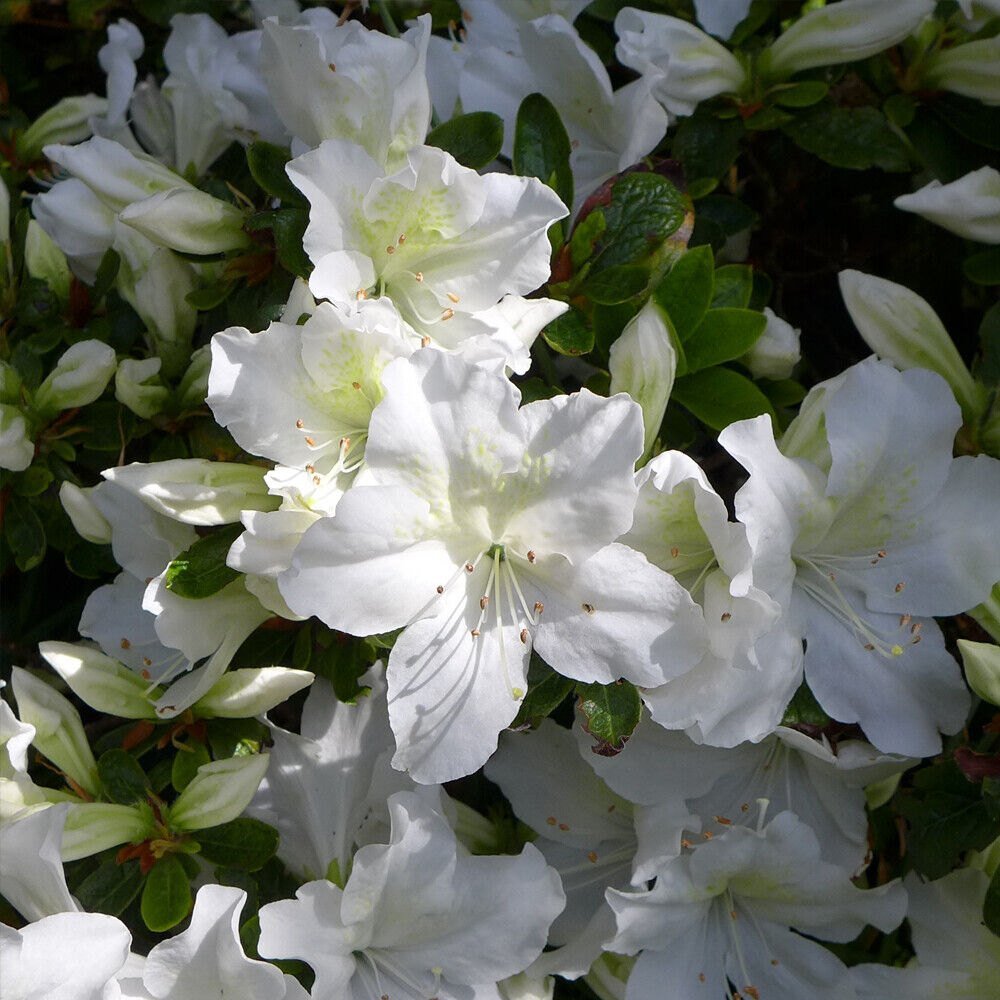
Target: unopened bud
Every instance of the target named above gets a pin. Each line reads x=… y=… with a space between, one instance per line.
x=87 y=519
x=188 y=221
x=92 y=827
x=969 y=69
x=777 y=350
x=982 y=668
x=138 y=386
x=79 y=377
x=219 y=792
x=969 y=206
x=68 y=121
x=243 y=694
x=45 y=261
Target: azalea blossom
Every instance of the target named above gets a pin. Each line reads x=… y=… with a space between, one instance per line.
x=465 y=530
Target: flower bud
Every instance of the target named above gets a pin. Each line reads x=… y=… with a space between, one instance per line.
x=969 y=206
x=687 y=65
x=68 y=121
x=88 y=521
x=137 y=386
x=196 y=490
x=843 y=32
x=59 y=732
x=643 y=363
x=45 y=261
x=193 y=388
x=92 y=827
x=103 y=683
x=969 y=69
x=901 y=327
x=79 y=377
x=777 y=350
x=188 y=221
x=219 y=792
x=242 y=694
x=16 y=448
x=982 y=668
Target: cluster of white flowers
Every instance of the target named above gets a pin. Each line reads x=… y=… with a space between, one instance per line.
x=398 y=487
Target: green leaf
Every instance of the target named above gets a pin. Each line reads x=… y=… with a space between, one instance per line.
x=804 y=709
x=201 y=570
x=474 y=139
x=210 y=296
x=706 y=146
x=766 y=119
x=107 y=271
x=342 y=661
x=617 y=284
x=24 y=533
x=800 y=95
x=723 y=335
x=854 y=138
x=244 y=843
x=569 y=334
x=288 y=226
x=733 y=286
x=229 y=737
x=122 y=777
x=991 y=904
x=899 y=109
x=971 y=119
x=783 y=392
x=645 y=211
x=33 y=481
x=166 y=898
x=267 y=166
x=948 y=816
x=186 y=764
x=111 y=888
x=612 y=712
x=92 y=562
x=983 y=268
x=730 y=215
x=686 y=292
x=546 y=691
x=541 y=146
x=585 y=235
x=719 y=396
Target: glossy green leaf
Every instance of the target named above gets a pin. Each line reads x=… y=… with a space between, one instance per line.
x=723 y=335
x=166 y=897
x=541 y=146
x=111 y=888
x=854 y=138
x=24 y=533
x=267 y=166
x=800 y=95
x=546 y=691
x=186 y=764
x=611 y=713
x=733 y=286
x=474 y=139
x=617 y=284
x=569 y=334
x=719 y=396
x=244 y=843
x=983 y=267
x=706 y=146
x=201 y=570
x=122 y=777
x=686 y=291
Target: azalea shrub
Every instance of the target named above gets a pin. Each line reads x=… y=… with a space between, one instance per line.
x=500 y=500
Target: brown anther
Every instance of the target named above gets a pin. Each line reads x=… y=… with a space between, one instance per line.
x=589 y=608
x=300 y=423
x=869 y=646
x=524 y=636
x=419 y=276
x=900 y=587
x=725 y=616
x=402 y=239
x=483 y=601
x=475 y=633
x=332 y=67
x=361 y=294
x=355 y=385
x=531 y=555
x=317 y=480
x=469 y=567
x=425 y=341
x=832 y=576
x=439 y=589
x=145 y=675
x=611 y=808
x=916 y=627
x=675 y=552
x=447 y=314
x=687 y=843
x=147 y=661
x=390 y=249
x=551 y=820
x=452 y=296
x=880 y=554
x=708 y=835
x=311 y=442
x=564 y=827
x=774 y=961
x=745 y=807
x=592 y=857
x=539 y=607
x=752 y=992
x=723 y=820
x=915 y=640
x=310 y=469
x=904 y=620
x=125 y=644
x=701 y=977
x=732 y=914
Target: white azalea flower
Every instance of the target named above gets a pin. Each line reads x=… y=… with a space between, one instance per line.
x=439 y=240
x=777 y=350
x=72 y=956
x=683 y=64
x=864 y=525
x=466 y=529
x=418 y=917
x=958 y=957
x=326 y=789
x=609 y=130
x=740 y=687
x=207 y=959
x=332 y=80
x=724 y=911
x=969 y=206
